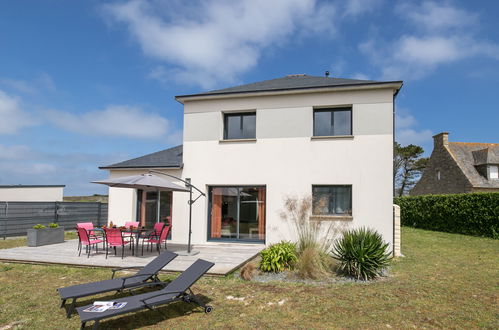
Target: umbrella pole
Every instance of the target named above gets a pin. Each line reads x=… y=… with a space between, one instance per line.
x=190 y=215
x=158 y=206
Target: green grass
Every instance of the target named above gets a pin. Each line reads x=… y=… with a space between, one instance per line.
x=445 y=281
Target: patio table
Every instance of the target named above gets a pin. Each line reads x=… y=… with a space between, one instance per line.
x=139 y=233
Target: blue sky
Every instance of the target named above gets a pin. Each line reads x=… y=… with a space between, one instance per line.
x=91 y=83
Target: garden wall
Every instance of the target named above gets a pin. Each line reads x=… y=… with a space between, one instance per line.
x=17 y=217
x=470 y=214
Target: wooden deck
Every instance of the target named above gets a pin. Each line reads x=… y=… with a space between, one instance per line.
x=226 y=256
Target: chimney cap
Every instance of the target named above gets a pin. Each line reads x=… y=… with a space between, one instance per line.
x=442 y=133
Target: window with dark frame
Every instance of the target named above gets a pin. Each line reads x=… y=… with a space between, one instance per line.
x=332 y=200
x=236 y=213
x=239 y=126
x=333 y=121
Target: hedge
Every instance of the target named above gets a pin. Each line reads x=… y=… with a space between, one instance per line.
x=470 y=214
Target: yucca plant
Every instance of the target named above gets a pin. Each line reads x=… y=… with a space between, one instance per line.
x=361 y=253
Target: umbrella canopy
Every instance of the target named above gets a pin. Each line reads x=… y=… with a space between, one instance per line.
x=142 y=181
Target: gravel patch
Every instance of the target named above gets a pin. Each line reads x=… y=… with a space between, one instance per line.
x=291 y=277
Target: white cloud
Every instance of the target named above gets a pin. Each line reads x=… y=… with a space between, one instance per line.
x=360 y=76
x=433 y=16
x=217 y=40
x=18 y=152
x=20 y=164
x=404 y=119
x=412 y=136
x=115 y=120
x=444 y=35
x=42 y=83
x=359 y=7
x=12 y=116
x=406 y=129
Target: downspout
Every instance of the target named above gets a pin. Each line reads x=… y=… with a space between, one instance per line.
x=393 y=134
x=393 y=167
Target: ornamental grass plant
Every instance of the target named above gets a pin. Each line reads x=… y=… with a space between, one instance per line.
x=315 y=238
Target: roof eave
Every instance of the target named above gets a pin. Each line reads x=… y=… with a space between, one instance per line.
x=395 y=85
x=176 y=167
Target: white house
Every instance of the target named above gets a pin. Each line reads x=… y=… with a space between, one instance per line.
x=250 y=146
x=31 y=193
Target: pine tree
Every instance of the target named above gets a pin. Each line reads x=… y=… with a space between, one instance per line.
x=408 y=166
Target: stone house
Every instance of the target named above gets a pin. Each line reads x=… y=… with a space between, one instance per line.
x=459 y=167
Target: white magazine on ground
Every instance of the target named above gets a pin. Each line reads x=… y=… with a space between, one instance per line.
x=96 y=309
x=118 y=305
x=104 y=303
x=102 y=306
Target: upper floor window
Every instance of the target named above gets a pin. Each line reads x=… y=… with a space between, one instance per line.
x=494 y=172
x=332 y=200
x=240 y=126
x=333 y=121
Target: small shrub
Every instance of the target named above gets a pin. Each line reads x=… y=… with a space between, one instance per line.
x=361 y=253
x=313 y=263
x=53 y=225
x=39 y=226
x=278 y=257
x=248 y=271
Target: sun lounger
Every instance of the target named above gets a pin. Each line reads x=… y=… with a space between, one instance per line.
x=145 y=274
x=177 y=290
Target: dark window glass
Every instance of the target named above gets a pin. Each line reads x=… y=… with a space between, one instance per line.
x=237 y=213
x=332 y=200
x=240 y=126
x=330 y=122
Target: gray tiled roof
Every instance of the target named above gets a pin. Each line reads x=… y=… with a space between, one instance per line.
x=289 y=83
x=465 y=155
x=489 y=155
x=171 y=157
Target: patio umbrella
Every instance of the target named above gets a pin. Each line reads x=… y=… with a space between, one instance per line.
x=152 y=182
x=142 y=181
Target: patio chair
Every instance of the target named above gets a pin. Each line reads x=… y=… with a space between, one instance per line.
x=156 y=239
x=128 y=225
x=114 y=238
x=177 y=290
x=142 y=277
x=84 y=238
x=156 y=232
x=88 y=226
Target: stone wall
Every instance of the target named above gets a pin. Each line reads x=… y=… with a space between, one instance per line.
x=451 y=179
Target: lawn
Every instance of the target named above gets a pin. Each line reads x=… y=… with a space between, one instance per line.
x=445 y=281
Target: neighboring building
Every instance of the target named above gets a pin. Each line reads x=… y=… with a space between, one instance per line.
x=251 y=146
x=31 y=193
x=459 y=167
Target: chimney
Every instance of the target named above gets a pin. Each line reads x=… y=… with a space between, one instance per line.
x=441 y=140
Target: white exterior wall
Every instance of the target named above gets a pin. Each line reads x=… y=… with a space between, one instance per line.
x=31 y=194
x=284 y=158
x=288 y=161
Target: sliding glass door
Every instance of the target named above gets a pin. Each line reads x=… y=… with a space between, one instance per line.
x=148 y=205
x=237 y=213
